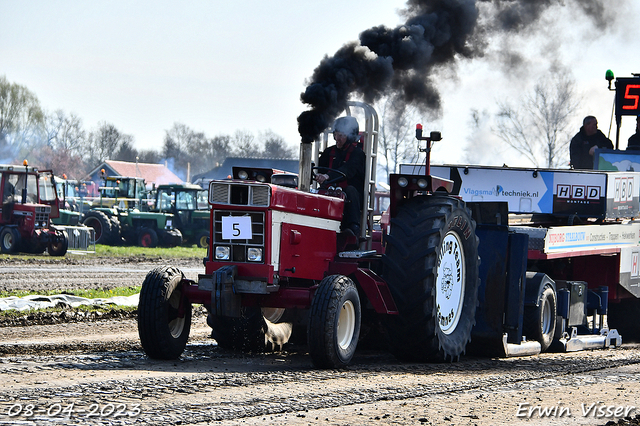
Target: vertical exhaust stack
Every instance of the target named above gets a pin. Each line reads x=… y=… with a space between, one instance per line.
x=304 y=174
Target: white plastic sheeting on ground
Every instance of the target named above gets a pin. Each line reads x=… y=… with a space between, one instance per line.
x=62 y=300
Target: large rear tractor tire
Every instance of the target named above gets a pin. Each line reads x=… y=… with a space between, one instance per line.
x=102 y=226
x=164 y=316
x=431 y=266
x=539 y=322
x=60 y=247
x=334 y=322
x=9 y=240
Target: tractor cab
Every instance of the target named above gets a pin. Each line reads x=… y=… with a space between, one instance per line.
x=123 y=192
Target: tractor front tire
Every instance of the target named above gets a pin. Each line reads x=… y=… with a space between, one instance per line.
x=164 y=316
x=9 y=240
x=60 y=247
x=334 y=322
x=431 y=267
x=147 y=237
x=202 y=239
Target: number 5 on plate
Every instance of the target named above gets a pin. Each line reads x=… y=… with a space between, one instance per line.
x=236 y=228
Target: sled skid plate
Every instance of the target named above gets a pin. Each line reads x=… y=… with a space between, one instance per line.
x=524 y=348
x=575 y=342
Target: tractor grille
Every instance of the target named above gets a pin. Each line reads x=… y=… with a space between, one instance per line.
x=239 y=194
x=42 y=216
x=240 y=248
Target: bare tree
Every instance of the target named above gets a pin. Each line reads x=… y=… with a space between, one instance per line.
x=65 y=132
x=103 y=143
x=244 y=144
x=396 y=138
x=60 y=161
x=274 y=146
x=218 y=148
x=21 y=120
x=182 y=146
x=538 y=129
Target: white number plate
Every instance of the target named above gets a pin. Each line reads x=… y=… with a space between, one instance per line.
x=236 y=228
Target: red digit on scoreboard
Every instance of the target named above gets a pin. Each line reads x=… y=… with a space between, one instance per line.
x=629 y=96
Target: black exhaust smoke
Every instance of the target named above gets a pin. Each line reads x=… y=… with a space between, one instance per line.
x=400 y=62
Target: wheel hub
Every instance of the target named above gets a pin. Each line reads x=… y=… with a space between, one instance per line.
x=450 y=283
x=346 y=324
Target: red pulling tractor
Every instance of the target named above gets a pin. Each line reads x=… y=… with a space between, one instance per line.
x=437 y=273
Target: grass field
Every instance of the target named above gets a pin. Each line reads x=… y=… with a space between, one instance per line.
x=104 y=251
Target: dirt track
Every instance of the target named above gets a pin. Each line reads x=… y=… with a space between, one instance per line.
x=94 y=372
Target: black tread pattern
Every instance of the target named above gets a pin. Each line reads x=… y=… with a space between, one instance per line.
x=60 y=248
x=321 y=334
x=154 y=312
x=410 y=267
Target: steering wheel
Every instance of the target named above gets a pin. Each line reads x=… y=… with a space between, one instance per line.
x=326 y=170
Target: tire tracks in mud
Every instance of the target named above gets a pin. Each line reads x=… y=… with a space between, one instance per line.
x=97 y=363
x=209 y=384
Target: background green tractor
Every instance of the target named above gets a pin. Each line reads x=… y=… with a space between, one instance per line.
x=190 y=208
x=121 y=214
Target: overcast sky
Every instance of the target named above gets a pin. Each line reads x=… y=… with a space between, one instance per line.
x=220 y=66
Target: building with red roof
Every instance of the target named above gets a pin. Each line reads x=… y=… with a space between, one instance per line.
x=153 y=174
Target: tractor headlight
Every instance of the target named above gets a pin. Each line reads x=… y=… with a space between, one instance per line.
x=403 y=182
x=223 y=252
x=422 y=183
x=242 y=174
x=254 y=254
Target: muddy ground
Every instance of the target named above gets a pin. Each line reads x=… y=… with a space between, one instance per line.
x=92 y=370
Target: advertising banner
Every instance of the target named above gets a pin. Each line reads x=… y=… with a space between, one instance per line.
x=586 y=194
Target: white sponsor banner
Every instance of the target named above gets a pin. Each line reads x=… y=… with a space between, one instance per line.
x=591 y=237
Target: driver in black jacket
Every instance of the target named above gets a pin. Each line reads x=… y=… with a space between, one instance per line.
x=346 y=157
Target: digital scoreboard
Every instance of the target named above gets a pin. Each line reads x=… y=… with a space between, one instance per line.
x=628 y=96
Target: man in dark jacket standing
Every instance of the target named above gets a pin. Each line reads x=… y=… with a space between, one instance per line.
x=584 y=144
x=346 y=157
